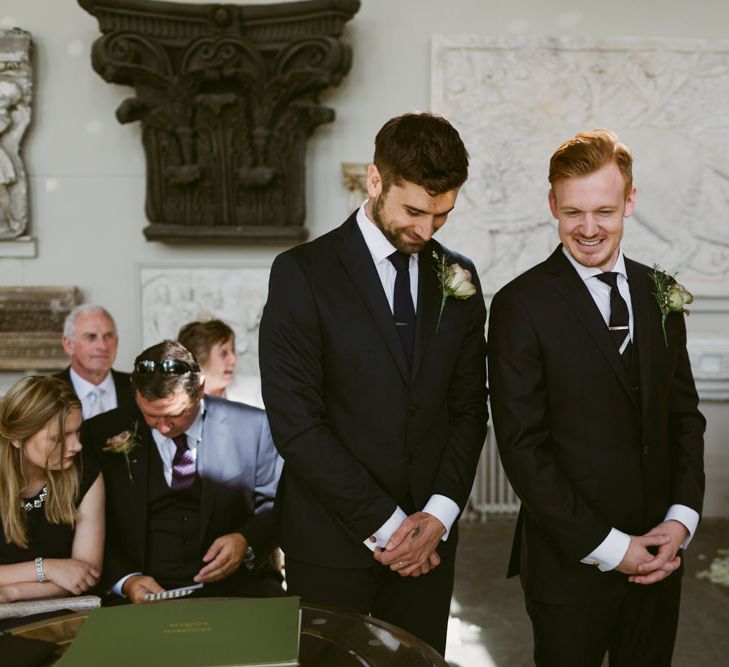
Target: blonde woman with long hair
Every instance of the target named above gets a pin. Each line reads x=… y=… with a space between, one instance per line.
x=51 y=503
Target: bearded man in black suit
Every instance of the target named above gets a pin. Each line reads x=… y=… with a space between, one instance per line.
x=597 y=421
x=376 y=397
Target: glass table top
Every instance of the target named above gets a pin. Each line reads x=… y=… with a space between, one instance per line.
x=329 y=638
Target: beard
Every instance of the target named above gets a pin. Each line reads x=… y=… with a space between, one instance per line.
x=395 y=236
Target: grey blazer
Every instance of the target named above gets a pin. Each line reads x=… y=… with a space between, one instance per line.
x=239 y=470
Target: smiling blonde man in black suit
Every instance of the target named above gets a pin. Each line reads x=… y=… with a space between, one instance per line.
x=596 y=418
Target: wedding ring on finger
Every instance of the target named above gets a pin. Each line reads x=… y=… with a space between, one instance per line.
x=400 y=565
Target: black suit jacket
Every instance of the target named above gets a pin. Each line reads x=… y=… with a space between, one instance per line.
x=582 y=449
x=361 y=433
x=124 y=393
x=238 y=467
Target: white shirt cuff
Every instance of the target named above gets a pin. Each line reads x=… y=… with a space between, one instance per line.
x=385 y=531
x=117 y=587
x=441 y=507
x=685 y=515
x=610 y=552
x=444 y=509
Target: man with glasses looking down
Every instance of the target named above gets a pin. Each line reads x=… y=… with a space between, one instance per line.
x=168 y=462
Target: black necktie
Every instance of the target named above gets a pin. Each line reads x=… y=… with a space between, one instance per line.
x=619 y=319
x=403 y=309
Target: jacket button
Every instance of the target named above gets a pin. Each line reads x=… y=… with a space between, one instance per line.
x=413 y=409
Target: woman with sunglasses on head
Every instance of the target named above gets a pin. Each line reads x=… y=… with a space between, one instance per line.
x=51 y=503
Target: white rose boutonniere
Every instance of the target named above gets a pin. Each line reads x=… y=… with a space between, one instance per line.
x=124 y=443
x=671 y=296
x=453 y=280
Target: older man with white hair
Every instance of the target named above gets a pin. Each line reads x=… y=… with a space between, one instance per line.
x=90 y=340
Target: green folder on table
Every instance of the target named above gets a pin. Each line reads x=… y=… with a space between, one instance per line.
x=244 y=632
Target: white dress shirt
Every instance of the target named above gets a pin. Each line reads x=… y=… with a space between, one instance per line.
x=95 y=398
x=611 y=551
x=441 y=507
x=167 y=447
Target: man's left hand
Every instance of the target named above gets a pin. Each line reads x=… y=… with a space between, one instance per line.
x=224 y=557
x=411 y=548
x=666 y=561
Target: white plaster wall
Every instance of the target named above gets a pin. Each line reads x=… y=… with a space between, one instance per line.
x=87 y=172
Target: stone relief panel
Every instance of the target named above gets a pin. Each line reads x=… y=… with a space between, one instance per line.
x=172 y=296
x=31 y=327
x=15 y=99
x=515 y=99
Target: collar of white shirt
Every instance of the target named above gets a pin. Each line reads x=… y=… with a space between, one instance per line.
x=83 y=387
x=587 y=272
x=380 y=248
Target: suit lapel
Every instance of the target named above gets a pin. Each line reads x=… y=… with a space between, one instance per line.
x=573 y=290
x=210 y=459
x=358 y=264
x=140 y=463
x=646 y=327
x=428 y=305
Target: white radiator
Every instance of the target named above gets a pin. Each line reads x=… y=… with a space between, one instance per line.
x=491 y=493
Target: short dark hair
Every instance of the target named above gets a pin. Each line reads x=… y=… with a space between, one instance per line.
x=421 y=148
x=199 y=337
x=156 y=385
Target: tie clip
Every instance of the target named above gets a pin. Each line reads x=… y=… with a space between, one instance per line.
x=401 y=324
x=625 y=328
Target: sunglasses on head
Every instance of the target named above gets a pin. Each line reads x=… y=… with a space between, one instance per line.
x=164 y=367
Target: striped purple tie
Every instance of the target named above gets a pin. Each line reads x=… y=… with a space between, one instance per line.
x=183 y=465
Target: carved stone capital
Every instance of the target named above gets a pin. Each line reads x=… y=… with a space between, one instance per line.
x=227 y=96
x=15 y=97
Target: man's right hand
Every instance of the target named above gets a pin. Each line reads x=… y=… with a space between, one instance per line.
x=71 y=574
x=638 y=555
x=432 y=562
x=138 y=585
x=411 y=549
x=7 y=593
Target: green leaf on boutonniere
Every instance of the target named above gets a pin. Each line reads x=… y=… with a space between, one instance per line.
x=453 y=280
x=124 y=443
x=670 y=295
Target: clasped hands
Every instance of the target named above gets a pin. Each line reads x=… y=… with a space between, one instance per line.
x=411 y=550
x=72 y=575
x=644 y=567
x=224 y=557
